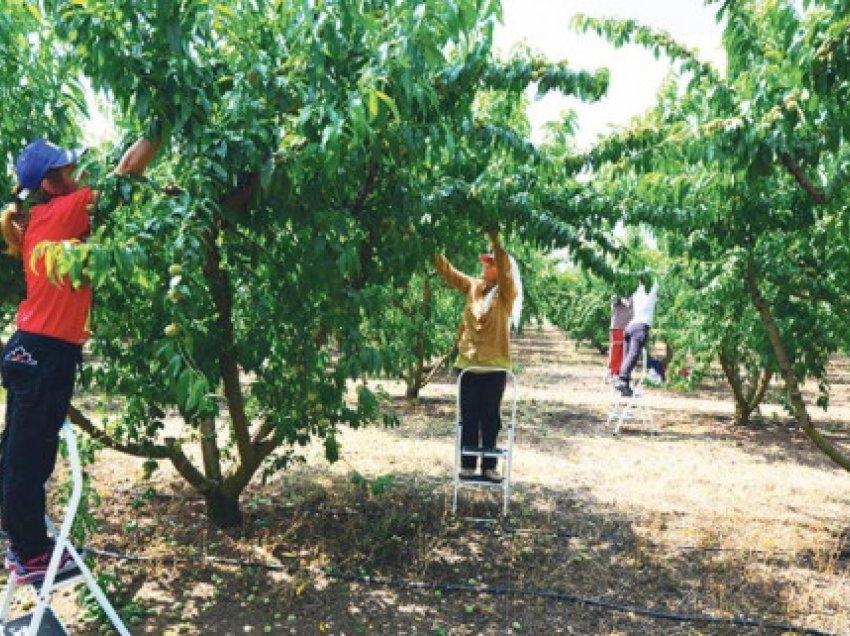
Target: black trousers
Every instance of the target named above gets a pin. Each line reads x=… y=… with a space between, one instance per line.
x=38 y=373
x=480 y=413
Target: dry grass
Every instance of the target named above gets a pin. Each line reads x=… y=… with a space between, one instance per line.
x=696 y=518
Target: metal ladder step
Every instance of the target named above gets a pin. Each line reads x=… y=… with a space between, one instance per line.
x=480 y=451
x=482 y=481
x=50 y=625
x=62 y=580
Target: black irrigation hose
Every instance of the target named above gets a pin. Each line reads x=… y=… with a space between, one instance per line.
x=734 y=621
x=737 y=621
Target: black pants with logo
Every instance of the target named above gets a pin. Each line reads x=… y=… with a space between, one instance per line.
x=480 y=413
x=38 y=373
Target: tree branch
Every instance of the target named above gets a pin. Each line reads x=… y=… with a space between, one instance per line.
x=171 y=450
x=787 y=369
x=760 y=388
x=151 y=451
x=210 y=451
x=266 y=429
x=816 y=195
x=366 y=190
x=222 y=296
x=730 y=370
x=239 y=199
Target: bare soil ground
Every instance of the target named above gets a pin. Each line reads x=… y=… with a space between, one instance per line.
x=675 y=528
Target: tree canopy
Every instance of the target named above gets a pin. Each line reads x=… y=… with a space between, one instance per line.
x=315 y=155
x=744 y=175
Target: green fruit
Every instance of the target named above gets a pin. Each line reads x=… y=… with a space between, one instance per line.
x=175 y=295
x=173 y=330
x=175 y=270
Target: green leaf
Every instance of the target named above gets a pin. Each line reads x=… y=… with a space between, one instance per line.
x=390 y=104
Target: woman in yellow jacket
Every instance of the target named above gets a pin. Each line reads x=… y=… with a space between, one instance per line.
x=483 y=341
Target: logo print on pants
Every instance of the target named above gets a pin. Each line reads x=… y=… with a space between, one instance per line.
x=22 y=356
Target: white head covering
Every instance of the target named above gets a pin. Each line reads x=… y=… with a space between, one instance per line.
x=516 y=310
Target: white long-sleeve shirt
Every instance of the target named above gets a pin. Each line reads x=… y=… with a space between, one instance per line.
x=643 y=304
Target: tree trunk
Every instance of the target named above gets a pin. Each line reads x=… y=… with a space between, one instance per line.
x=223 y=509
x=668 y=356
x=221 y=290
x=411 y=393
x=742 y=414
x=729 y=364
x=760 y=389
x=415 y=381
x=748 y=394
x=786 y=368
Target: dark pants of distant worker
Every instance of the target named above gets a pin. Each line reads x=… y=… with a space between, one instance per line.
x=634 y=340
x=480 y=413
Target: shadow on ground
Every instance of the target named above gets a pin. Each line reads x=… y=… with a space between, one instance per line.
x=308 y=546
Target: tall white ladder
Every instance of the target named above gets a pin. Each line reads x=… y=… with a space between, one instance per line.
x=43 y=621
x=506 y=452
x=633 y=407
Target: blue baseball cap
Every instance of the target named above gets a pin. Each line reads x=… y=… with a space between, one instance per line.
x=36 y=159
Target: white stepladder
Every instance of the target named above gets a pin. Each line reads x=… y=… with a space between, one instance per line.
x=506 y=452
x=43 y=621
x=633 y=407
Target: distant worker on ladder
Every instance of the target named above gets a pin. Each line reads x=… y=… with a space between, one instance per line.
x=39 y=362
x=492 y=302
x=637 y=331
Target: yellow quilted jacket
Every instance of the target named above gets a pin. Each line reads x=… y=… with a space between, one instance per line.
x=484 y=332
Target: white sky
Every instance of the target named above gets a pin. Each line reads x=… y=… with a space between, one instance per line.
x=635 y=75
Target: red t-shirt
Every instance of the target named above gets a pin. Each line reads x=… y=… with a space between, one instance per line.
x=49 y=309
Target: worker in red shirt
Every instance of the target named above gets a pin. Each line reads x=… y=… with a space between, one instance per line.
x=39 y=362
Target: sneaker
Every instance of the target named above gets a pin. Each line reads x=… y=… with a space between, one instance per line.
x=467 y=473
x=492 y=474
x=12 y=561
x=34 y=569
x=626 y=390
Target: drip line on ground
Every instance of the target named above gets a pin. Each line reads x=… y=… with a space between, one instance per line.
x=598 y=603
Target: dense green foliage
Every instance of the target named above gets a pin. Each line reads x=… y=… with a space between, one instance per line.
x=317 y=155
x=744 y=175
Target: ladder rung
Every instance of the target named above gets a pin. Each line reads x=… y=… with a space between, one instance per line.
x=479 y=451
x=62 y=580
x=481 y=481
x=629 y=398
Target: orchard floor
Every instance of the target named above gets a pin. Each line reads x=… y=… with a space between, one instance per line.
x=690 y=518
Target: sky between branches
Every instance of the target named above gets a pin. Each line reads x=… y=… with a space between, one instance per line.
x=636 y=75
